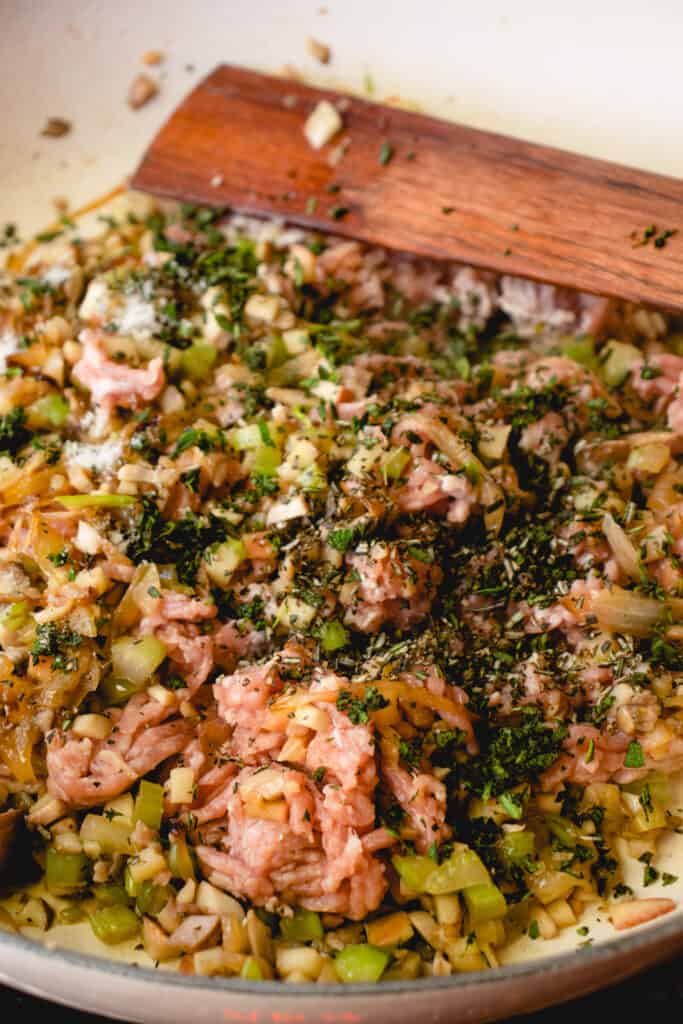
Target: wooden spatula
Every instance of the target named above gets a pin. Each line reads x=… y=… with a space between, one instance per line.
x=414 y=183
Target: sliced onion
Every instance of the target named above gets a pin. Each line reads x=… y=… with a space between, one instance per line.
x=622 y=611
x=622 y=548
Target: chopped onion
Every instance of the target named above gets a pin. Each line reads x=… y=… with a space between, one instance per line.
x=322 y=125
x=622 y=611
x=622 y=548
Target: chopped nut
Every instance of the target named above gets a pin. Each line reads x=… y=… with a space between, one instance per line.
x=217 y=181
x=320 y=51
x=142 y=90
x=152 y=58
x=55 y=127
x=322 y=124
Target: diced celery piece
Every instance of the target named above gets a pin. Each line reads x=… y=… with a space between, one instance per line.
x=110 y=894
x=333 y=636
x=312 y=480
x=515 y=847
x=180 y=859
x=71 y=914
x=305 y=926
x=65 y=873
x=658 y=785
x=485 y=902
x=114 y=924
x=395 y=462
x=149 y=804
x=95 y=500
x=581 y=350
x=277 y=352
x=361 y=963
x=265 y=459
x=130 y=885
x=617 y=360
x=16 y=616
x=197 y=361
x=243 y=439
x=251 y=970
x=463 y=868
x=563 y=829
x=151 y=898
x=222 y=560
x=111 y=836
x=137 y=659
x=50 y=411
x=116 y=690
x=414 y=871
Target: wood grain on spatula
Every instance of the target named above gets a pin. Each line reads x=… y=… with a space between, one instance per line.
x=422 y=185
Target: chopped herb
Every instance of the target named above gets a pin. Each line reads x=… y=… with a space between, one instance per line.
x=386 y=152
x=338 y=212
x=358 y=709
x=635 y=758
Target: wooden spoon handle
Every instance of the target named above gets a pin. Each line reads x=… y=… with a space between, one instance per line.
x=422 y=185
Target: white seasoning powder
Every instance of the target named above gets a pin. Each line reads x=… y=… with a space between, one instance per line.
x=137 y=317
x=56 y=276
x=98 y=457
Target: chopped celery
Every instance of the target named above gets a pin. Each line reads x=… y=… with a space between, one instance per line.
x=243 y=439
x=151 y=898
x=414 y=871
x=463 y=868
x=313 y=480
x=110 y=836
x=618 y=358
x=515 y=847
x=485 y=902
x=581 y=350
x=305 y=926
x=277 y=352
x=50 y=411
x=197 y=361
x=137 y=659
x=110 y=894
x=149 y=804
x=114 y=924
x=361 y=963
x=16 y=616
x=333 y=636
x=95 y=500
x=251 y=970
x=658 y=786
x=563 y=830
x=65 y=873
x=71 y=914
x=265 y=459
x=222 y=560
x=116 y=690
x=395 y=462
x=180 y=859
x=130 y=885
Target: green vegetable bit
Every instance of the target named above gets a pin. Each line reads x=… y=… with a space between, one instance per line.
x=114 y=924
x=304 y=926
x=65 y=873
x=149 y=804
x=361 y=963
x=485 y=902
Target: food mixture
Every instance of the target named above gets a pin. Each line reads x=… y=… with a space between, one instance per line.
x=341 y=631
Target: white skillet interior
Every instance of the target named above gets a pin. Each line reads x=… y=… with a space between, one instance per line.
x=601 y=81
